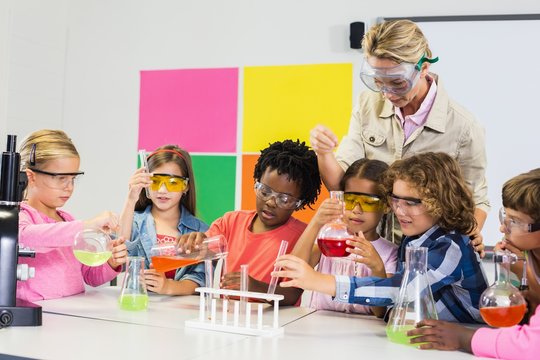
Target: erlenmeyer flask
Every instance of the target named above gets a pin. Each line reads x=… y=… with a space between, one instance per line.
x=133 y=295
x=332 y=236
x=502 y=304
x=415 y=301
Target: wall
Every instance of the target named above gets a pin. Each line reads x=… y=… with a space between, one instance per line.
x=75 y=64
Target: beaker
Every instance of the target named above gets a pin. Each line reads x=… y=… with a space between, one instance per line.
x=332 y=237
x=92 y=247
x=502 y=304
x=415 y=300
x=133 y=295
x=170 y=256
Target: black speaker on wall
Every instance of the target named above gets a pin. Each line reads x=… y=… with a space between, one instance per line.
x=357 y=33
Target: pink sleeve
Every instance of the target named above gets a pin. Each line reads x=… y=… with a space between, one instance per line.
x=42 y=237
x=390 y=265
x=99 y=275
x=516 y=342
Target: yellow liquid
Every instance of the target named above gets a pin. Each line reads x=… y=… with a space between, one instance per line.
x=398 y=335
x=133 y=302
x=92 y=258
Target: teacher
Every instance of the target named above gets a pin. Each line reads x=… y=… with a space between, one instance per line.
x=405 y=112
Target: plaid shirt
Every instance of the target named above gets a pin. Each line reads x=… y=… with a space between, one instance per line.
x=454 y=272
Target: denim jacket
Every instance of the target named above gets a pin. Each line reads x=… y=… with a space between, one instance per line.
x=143 y=237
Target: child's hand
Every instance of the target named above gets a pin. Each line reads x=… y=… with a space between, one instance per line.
x=298 y=273
x=106 y=221
x=138 y=181
x=442 y=335
x=477 y=241
x=231 y=281
x=119 y=253
x=188 y=242
x=329 y=210
x=367 y=254
x=156 y=281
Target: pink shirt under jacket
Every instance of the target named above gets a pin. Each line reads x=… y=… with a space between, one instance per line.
x=58 y=272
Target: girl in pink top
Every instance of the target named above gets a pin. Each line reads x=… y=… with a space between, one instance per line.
x=372 y=255
x=521 y=227
x=51 y=163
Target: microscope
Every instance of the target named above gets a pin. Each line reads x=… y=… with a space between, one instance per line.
x=13 y=311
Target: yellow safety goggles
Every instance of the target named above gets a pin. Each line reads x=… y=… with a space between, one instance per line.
x=173 y=183
x=367 y=202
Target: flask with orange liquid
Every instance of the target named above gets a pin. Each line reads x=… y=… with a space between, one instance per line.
x=502 y=304
x=333 y=236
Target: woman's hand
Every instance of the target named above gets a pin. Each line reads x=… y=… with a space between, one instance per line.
x=323 y=140
x=106 y=221
x=119 y=253
x=441 y=335
x=138 y=181
x=367 y=254
x=156 y=281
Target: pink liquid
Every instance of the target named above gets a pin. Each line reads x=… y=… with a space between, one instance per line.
x=333 y=247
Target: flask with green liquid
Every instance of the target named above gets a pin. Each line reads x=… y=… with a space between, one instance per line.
x=133 y=295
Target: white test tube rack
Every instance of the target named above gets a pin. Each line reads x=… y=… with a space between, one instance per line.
x=240 y=321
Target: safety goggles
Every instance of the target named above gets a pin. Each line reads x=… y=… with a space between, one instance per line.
x=407 y=206
x=173 y=183
x=284 y=201
x=516 y=226
x=398 y=80
x=58 y=180
x=366 y=202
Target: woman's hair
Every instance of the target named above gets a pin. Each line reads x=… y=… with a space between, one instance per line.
x=396 y=40
x=298 y=162
x=438 y=180
x=522 y=193
x=372 y=170
x=44 y=145
x=177 y=155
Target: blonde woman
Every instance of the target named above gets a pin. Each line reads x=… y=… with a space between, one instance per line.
x=406 y=111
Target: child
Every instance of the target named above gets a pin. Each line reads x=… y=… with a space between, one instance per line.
x=365 y=205
x=160 y=219
x=521 y=201
x=434 y=208
x=51 y=163
x=286 y=179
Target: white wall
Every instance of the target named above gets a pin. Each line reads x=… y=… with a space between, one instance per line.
x=75 y=64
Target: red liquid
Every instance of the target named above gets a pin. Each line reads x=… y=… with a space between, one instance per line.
x=167 y=263
x=333 y=247
x=503 y=316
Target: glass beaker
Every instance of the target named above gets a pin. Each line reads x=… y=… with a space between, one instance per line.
x=415 y=301
x=169 y=257
x=133 y=295
x=332 y=237
x=502 y=304
x=92 y=247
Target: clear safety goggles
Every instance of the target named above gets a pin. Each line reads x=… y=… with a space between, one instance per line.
x=398 y=80
x=516 y=226
x=406 y=206
x=173 y=183
x=366 y=202
x=57 y=180
x=284 y=201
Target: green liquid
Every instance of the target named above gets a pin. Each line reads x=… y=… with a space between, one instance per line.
x=398 y=334
x=92 y=258
x=133 y=302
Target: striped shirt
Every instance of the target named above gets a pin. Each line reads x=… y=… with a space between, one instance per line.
x=454 y=272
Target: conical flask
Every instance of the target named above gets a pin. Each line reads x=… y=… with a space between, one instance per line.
x=133 y=295
x=415 y=301
x=332 y=237
x=502 y=304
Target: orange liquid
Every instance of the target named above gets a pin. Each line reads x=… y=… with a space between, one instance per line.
x=503 y=316
x=168 y=263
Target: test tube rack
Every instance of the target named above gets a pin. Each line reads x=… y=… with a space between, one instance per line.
x=242 y=321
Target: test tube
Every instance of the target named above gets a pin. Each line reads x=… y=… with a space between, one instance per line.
x=524 y=283
x=273 y=282
x=144 y=163
x=244 y=277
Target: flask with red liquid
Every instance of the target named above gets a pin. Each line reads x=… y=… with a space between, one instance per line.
x=333 y=236
x=502 y=304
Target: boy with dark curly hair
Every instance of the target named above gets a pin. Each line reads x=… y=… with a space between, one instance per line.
x=286 y=180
